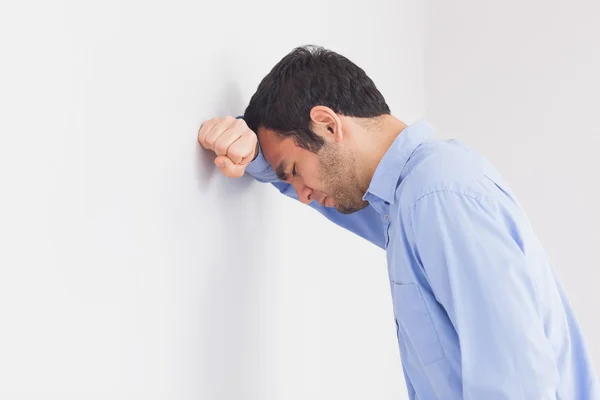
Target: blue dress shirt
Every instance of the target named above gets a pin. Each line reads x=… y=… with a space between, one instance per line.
x=480 y=313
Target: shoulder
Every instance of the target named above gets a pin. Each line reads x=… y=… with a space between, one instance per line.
x=443 y=166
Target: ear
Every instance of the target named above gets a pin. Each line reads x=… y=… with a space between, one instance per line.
x=326 y=123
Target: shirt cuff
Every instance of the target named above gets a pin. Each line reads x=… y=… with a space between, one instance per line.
x=259 y=166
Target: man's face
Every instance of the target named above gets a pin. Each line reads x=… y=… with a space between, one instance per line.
x=328 y=177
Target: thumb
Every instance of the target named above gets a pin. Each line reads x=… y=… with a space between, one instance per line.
x=229 y=168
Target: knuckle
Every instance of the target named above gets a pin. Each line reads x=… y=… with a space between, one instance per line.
x=201 y=132
x=202 y=140
x=221 y=147
x=235 y=154
x=234 y=150
x=240 y=124
x=250 y=135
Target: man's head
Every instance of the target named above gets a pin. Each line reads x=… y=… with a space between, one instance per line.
x=312 y=114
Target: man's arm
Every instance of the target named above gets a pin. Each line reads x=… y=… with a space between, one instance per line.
x=480 y=276
x=365 y=223
x=237 y=150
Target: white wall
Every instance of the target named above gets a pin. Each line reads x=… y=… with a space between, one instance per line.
x=129 y=268
x=519 y=81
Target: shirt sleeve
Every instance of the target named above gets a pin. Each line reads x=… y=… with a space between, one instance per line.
x=479 y=274
x=366 y=223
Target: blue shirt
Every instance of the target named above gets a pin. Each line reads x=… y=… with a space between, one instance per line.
x=480 y=313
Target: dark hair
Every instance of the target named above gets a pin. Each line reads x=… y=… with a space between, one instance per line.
x=307 y=77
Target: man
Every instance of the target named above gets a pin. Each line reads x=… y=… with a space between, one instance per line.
x=479 y=311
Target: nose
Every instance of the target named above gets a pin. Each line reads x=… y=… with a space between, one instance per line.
x=305 y=194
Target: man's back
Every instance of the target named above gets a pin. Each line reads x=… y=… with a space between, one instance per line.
x=485 y=303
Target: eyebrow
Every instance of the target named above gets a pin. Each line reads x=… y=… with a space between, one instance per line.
x=281 y=170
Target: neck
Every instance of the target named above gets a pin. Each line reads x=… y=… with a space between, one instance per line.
x=379 y=138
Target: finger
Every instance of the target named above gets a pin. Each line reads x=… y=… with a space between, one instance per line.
x=247 y=160
x=203 y=131
x=243 y=148
x=228 y=168
x=225 y=140
x=217 y=130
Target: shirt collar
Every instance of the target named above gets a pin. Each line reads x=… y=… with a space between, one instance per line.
x=388 y=172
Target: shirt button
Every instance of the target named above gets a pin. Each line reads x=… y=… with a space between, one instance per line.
x=386 y=217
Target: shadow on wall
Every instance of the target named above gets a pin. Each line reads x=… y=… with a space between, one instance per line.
x=231 y=302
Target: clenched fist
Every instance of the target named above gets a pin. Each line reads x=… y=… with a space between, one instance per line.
x=232 y=141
